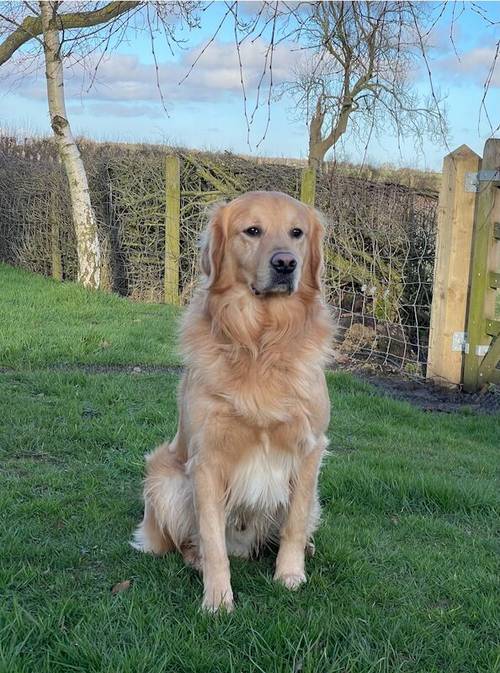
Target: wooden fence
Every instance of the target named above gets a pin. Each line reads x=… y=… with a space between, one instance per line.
x=173 y=221
x=151 y=207
x=464 y=340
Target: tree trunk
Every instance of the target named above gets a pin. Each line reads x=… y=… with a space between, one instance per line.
x=319 y=145
x=84 y=220
x=316 y=154
x=316 y=158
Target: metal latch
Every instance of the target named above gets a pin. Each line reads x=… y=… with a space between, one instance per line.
x=473 y=180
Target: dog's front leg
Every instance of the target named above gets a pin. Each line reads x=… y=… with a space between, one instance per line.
x=209 y=492
x=290 y=562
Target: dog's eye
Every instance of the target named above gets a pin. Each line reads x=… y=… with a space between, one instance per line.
x=296 y=232
x=253 y=231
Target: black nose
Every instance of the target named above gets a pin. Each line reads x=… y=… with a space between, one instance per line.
x=283 y=262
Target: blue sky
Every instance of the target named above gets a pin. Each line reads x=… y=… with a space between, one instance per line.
x=206 y=111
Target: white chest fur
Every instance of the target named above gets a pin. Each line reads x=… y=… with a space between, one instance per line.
x=262 y=480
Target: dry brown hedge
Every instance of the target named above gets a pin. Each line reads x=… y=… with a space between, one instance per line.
x=379 y=250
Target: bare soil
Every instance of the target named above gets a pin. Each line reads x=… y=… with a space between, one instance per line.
x=431 y=397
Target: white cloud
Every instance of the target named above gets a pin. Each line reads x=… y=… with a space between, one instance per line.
x=124 y=78
x=116 y=109
x=473 y=66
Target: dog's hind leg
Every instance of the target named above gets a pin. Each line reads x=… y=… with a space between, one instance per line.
x=150 y=536
x=169 y=520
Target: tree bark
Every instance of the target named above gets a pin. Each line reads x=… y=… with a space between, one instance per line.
x=319 y=145
x=31 y=27
x=84 y=220
x=316 y=158
x=316 y=154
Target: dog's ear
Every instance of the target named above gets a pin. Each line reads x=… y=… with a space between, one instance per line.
x=316 y=248
x=212 y=245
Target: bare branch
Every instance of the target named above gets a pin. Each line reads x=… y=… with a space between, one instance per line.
x=357 y=73
x=31 y=27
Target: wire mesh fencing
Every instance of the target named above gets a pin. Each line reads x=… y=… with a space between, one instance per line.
x=379 y=246
x=379 y=254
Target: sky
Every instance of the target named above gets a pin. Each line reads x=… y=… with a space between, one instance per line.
x=203 y=106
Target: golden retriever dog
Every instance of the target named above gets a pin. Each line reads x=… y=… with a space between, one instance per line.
x=242 y=469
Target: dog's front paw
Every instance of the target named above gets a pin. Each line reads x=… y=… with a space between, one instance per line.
x=216 y=599
x=291 y=580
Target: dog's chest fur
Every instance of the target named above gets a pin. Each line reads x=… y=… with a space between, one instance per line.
x=261 y=479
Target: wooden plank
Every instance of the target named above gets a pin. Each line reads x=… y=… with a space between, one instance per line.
x=55 y=243
x=308 y=186
x=489 y=362
x=494 y=280
x=495 y=377
x=453 y=251
x=484 y=254
x=492 y=327
x=172 y=226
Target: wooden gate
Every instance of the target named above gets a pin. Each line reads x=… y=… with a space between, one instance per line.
x=464 y=342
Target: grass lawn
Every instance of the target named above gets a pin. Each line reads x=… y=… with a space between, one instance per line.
x=43 y=322
x=406 y=568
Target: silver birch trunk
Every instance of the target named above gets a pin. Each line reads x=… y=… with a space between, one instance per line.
x=84 y=220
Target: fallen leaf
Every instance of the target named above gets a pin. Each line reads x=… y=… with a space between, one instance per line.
x=121 y=586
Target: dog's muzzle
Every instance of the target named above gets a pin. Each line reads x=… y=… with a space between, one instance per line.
x=283 y=265
x=282 y=276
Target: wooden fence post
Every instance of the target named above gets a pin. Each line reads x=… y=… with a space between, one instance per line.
x=451 y=268
x=484 y=272
x=172 y=225
x=55 y=243
x=308 y=186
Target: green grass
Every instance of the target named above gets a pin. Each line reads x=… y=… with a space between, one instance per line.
x=406 y=569
x=44 y=322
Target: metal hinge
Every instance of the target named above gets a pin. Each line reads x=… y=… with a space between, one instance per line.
x=459 y=342
x=473 y=180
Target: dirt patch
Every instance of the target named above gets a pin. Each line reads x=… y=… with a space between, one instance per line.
x=119 y=369
x=102 y=369
x=430 y=397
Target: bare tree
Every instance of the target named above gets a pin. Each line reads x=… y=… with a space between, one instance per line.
x=59 y=30
x=356 y=74
x=56 y=32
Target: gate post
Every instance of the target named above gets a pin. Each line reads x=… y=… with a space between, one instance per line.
x=308 y=186
x=485 y=268
x=55 y=243
x=451 y=270
x=172 y=226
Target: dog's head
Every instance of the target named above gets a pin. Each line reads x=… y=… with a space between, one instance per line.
x=268 y=241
